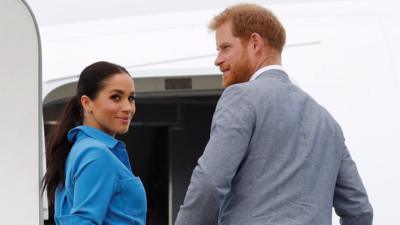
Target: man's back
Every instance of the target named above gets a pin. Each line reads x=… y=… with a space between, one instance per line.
x=294 y=156
x=275 y=156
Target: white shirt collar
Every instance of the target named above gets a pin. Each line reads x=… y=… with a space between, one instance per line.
x=263 y=69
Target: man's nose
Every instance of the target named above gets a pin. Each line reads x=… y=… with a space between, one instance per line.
x=218 y=60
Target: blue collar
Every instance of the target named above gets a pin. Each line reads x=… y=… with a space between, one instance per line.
x=107 y=139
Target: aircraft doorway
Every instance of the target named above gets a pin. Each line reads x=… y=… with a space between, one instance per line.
x=165 y=140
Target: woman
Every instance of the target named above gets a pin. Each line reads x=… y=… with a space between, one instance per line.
x=89 y=179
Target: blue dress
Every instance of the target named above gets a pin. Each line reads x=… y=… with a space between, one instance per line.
x=99 y=185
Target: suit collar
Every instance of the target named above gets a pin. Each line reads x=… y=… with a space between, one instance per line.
x=274 y=73
x=264 y=69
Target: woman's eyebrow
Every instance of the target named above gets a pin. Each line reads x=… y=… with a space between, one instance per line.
x=117 y=90
x=121 y=91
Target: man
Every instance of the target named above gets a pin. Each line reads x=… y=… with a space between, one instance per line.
x=275 y=156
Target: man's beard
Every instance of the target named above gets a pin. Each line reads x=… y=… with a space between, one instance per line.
x=240 y=72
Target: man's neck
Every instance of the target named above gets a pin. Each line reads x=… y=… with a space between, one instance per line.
x=274 y=58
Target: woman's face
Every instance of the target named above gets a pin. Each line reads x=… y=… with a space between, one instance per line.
x=113 y=108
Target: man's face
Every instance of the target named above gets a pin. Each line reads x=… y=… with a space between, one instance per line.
x=233 y=59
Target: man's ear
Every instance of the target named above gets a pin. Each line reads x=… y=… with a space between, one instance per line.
x=87 y=103
x=256 y=41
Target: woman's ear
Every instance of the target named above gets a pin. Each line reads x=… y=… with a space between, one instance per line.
x=87 y=104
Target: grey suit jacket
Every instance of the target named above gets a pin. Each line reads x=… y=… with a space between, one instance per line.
x=275 y=157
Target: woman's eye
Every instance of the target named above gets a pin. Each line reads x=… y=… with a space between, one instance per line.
x=115 y=97
x=131 y=98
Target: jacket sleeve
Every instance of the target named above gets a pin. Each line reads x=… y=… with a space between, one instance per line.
x=94 y=184
x=350 y=198
x=231 y=131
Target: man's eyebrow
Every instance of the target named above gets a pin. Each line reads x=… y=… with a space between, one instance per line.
x=222 y=45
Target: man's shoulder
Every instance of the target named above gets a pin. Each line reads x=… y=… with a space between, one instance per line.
x=238 y=93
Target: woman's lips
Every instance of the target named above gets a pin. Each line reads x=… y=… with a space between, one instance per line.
x=124 y=119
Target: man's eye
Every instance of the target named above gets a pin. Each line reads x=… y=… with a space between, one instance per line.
x=131 y=98
x=226 y=47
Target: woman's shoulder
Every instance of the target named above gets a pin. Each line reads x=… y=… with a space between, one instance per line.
x=89 y=149
x=88 y=143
